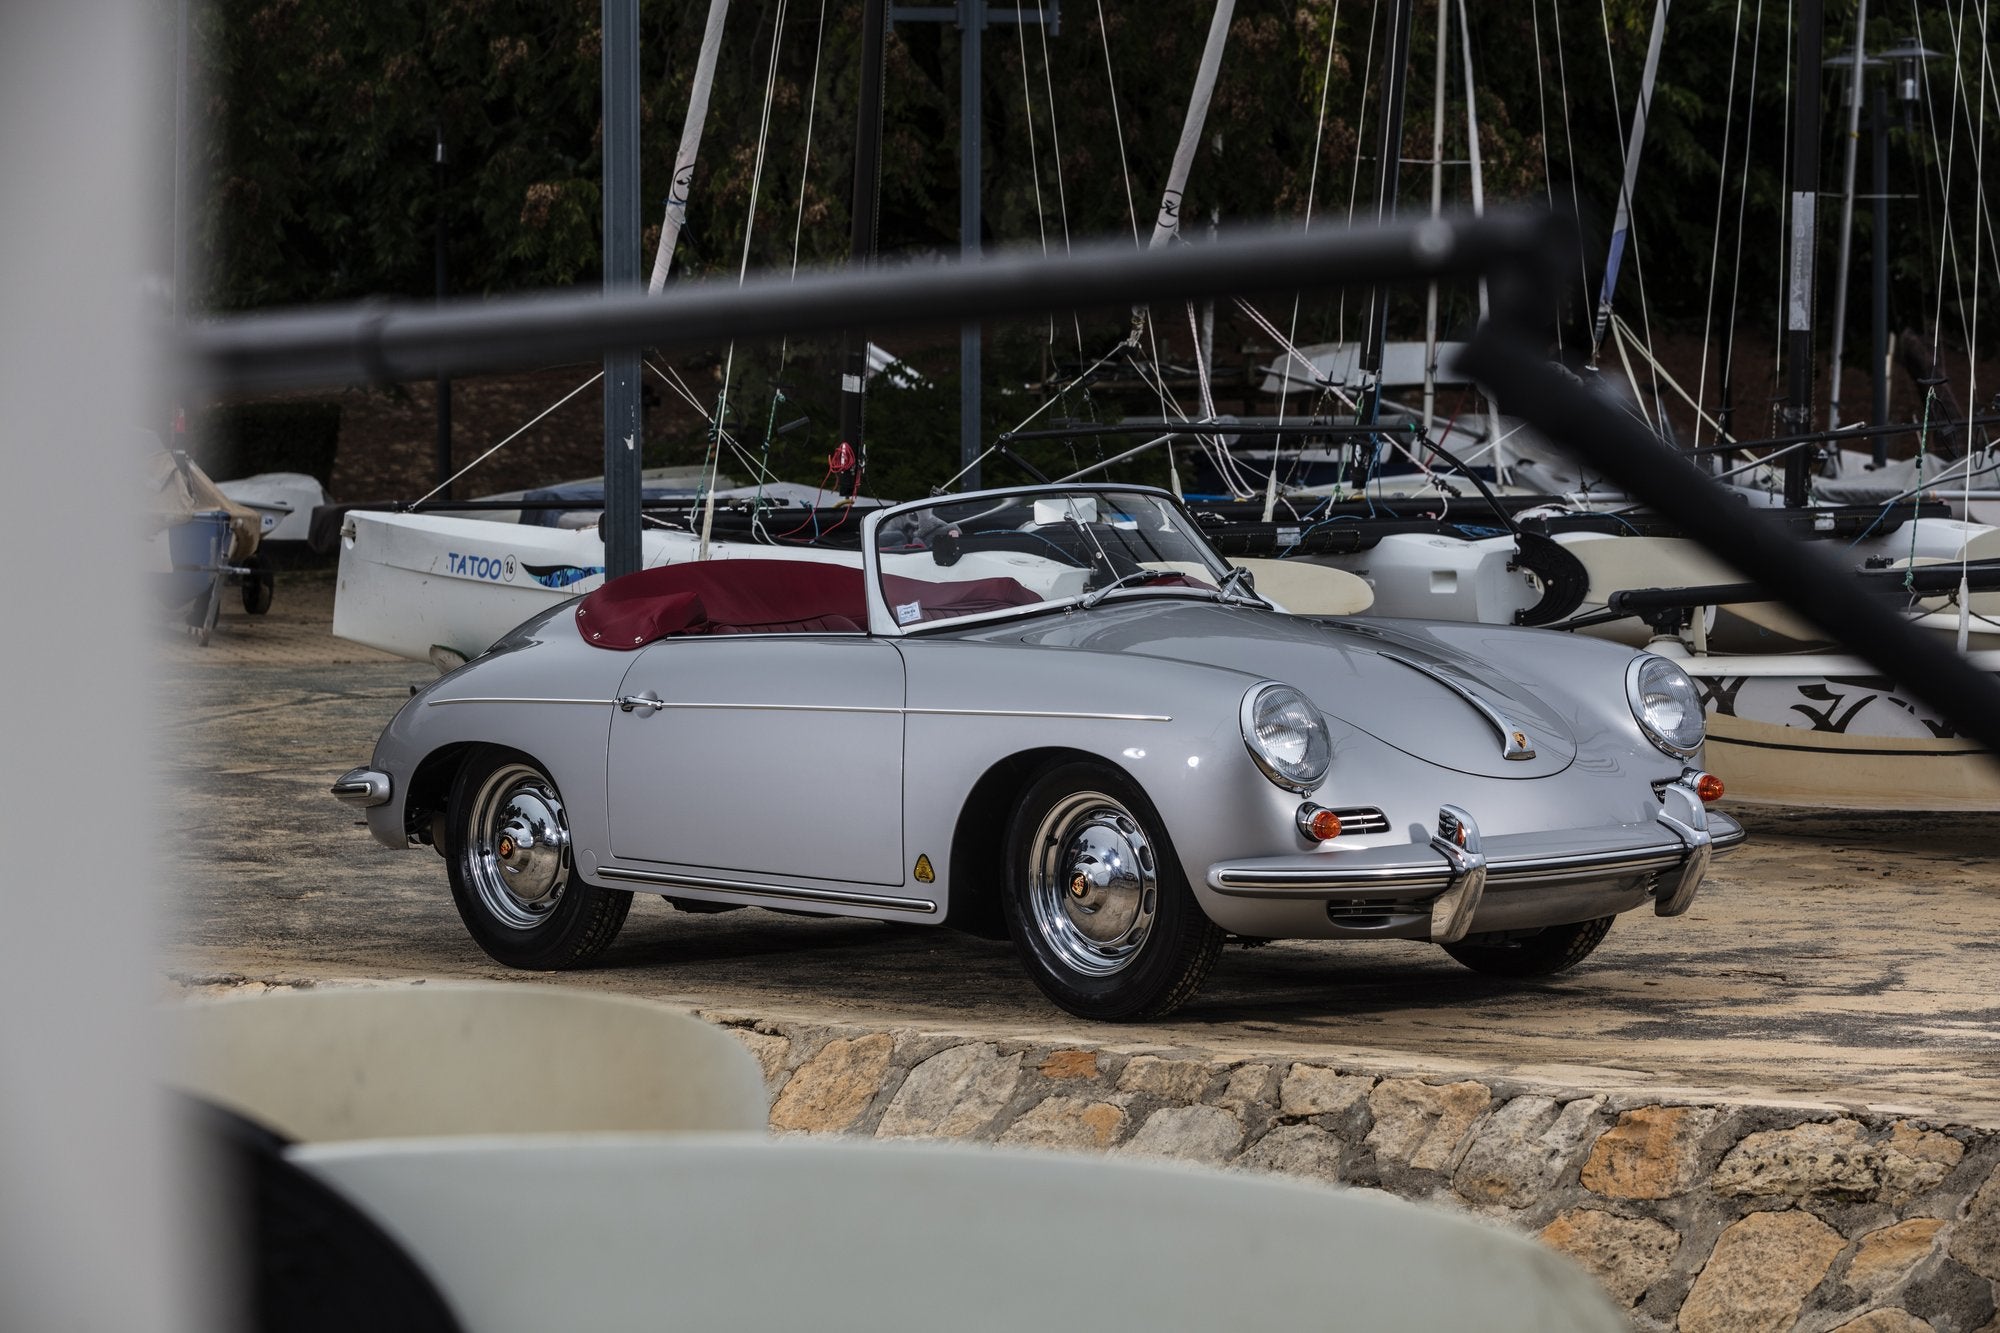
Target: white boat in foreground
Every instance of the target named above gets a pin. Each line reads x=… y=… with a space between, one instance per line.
x=412 y=583
x=1826 y=729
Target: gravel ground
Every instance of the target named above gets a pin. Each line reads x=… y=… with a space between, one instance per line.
x=1844 y=959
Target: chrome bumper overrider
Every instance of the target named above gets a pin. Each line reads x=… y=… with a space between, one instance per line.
x=363 y=787
x=1452 y=873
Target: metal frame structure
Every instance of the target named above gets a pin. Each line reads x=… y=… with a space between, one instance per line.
x=1522 y=256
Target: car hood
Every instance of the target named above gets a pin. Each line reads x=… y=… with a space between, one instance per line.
x=1394 y=680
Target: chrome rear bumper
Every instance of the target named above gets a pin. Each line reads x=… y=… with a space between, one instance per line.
x=1465 y=882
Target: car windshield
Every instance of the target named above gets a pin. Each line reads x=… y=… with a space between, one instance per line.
x=985 y=554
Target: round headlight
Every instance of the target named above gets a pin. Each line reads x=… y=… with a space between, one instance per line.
x=1286 y=736
x=1666 y=703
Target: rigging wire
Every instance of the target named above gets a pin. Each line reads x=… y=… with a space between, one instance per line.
x=1971 y=346
x=1742 y=207
x=1360 y=138
x=1131 y=209
x=518 y=433
x=1055 y=153
x=1948 y=246
x=1715 y=240
x=1542 y=107
x=1569 y=139
x=1117 y=125
x=1312 y=188
x=1034 y=157
x=1632 y=227
x=714 y=458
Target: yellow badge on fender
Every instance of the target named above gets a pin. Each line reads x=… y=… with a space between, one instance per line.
x=924 y=873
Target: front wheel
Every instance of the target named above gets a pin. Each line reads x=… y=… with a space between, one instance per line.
x=1096 y=902
x=507 y=853
x=1539 y=953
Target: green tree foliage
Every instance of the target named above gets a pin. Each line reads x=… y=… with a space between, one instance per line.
x=321 y=181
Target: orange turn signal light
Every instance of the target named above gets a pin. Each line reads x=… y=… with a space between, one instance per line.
x=1708 y=787
x=1317 y=823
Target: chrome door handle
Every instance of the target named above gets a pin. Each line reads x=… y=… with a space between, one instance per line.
x=648 y=701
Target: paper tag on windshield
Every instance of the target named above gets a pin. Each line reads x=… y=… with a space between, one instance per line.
x=908 y=613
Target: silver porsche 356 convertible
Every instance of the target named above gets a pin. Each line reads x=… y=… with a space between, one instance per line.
x=1057 y=711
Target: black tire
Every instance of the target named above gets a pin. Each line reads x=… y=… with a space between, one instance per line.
x=1132 y=947
x=1544 y=953
x=258 y=585
x=522 y=901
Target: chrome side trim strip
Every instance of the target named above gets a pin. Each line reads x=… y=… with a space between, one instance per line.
x=823 y=708
x=884 y=900
x=514 y=699
x=1513 y=740
x=1037 y=712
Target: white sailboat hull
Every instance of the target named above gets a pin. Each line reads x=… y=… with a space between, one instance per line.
x=1828 y=730
x=412 y=582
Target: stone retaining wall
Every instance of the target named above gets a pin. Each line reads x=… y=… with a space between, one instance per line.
x=1697 y=1216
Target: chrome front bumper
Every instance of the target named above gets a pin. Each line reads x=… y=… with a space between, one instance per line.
x=1519 y=880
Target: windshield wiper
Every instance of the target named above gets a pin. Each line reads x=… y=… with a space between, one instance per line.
x=1133 y=579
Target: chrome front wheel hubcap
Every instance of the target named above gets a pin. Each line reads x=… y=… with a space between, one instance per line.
x=519 y=853
x=1094 y=889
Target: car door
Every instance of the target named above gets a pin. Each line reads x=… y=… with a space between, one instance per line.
x=762 y=755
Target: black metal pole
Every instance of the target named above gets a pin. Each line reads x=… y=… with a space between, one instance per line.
x=389 y=343
x=1878 y=115
x=867 y=195
x=1388 y=178
x=623 y=428
x=971 y=38
x=177 y=409
x=1804 y=239
x=444 y=381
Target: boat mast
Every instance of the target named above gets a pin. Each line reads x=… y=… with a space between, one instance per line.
x=1621 y=226
x=1804 y=235
x=1168 y=223
x=1388 y=177
x=697 y=117
x=1496 y=443
x=1860 y=59
x=862 y=213
x=623 y=424
x=1437 y=208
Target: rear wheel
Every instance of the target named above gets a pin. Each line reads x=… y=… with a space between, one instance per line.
x=1096 y=902
x=258 y=585
x=507 y=853
x=1541 y=953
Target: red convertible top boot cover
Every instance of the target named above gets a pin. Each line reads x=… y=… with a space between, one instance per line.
x=723 y=597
